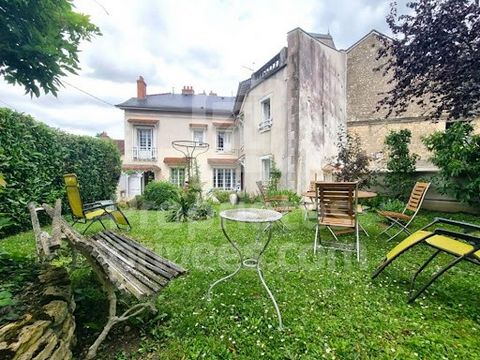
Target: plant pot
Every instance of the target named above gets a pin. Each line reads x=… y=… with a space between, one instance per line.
x=233 y=199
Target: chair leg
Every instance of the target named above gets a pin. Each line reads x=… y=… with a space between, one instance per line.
x=315 y=244
x=84 y=231
x=402 y=229
x=363 y=229
x=357 y=235
x=439 y=273
x=379 y=269
x=414 y=277
x=392 y=224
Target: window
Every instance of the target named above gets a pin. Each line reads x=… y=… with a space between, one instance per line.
x=224 y=140
x=266 y=110
x=224 y=179
x=198 y=136
x=266 y=116
x=266 y=167
x=177 y=176
x=145 y=138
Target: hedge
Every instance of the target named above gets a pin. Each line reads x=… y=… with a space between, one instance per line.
x=33 y=159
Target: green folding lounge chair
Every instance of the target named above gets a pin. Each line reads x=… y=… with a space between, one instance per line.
x=461 y=245
x=92 y=212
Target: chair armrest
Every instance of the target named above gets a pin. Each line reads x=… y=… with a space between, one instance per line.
x=99 y=205
x=475 y=240
x=464 y=225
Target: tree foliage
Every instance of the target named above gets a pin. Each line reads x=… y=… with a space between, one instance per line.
x=352 y=160
x=434 y=58
x=456 y=152
x=34 y=157
x=39 y=42
x=399 y=179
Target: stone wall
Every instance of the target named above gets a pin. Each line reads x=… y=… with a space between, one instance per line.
x=47 y=330
x=317 y=105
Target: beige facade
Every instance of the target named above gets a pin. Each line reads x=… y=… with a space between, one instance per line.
x=150 y=131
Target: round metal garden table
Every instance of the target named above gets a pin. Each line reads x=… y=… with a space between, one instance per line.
x=255 y=216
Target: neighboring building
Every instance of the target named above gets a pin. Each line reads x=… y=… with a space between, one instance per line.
x=152 y=122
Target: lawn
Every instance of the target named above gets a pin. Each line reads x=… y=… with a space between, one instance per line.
x=330 y=307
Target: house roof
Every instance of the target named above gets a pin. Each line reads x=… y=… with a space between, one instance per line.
x=201 y=104
x=367 y=35
x=324 y=39
x=243 y=88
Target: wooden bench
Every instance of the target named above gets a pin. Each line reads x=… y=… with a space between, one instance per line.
x=119 y=262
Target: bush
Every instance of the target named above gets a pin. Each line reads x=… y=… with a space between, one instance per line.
x=399 y=179
x=34 y=158
x=392 y=205
x=247 y=198
x=293 y=197
x=222 y=196
x=456 y=152
x=159 y=194
x=352 y=160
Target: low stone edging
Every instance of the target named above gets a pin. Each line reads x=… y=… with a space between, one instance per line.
x=47 y=330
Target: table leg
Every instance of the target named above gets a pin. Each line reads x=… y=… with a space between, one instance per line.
x=209 y=293
x=260 y=275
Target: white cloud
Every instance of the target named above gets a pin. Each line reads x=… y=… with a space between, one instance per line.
x=206 y=44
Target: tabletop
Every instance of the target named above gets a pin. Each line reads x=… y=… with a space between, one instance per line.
x=251 y=215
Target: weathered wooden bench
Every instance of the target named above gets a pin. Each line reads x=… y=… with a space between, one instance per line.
x=119 y=262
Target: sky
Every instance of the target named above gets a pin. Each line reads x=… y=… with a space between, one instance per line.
x=208 y=44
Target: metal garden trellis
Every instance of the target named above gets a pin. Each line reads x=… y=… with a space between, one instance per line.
x=191 y=150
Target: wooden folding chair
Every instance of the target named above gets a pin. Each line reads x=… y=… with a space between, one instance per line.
x=279 y=203
x=337 y=208
x=403 y=219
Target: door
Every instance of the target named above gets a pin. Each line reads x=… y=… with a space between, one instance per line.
x=134 y=185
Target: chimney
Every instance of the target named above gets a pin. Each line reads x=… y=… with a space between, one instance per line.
x=188 y=90
x=212 y=93
x=141 y=88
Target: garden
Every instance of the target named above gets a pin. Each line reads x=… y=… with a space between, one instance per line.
x=331 y=307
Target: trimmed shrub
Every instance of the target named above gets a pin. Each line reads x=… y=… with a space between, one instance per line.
x=34 y=158
x=159 y=194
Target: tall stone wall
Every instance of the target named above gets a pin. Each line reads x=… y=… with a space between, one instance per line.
x=318 y=95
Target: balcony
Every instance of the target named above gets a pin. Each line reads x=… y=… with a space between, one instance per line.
x=144 y=154
x=265 y=125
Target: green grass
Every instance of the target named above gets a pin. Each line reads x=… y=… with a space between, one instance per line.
x=330 y=307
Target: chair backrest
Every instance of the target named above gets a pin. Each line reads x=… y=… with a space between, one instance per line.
x=262 y=190
x=73 y=195
x=416 y=197
x=337 y=203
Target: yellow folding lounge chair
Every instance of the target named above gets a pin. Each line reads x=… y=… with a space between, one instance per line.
x=462 y=246
x=92 y=212
x=403 y=220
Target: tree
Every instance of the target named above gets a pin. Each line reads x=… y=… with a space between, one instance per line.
x=399 y=179
x=456 y=152
x=39 y=42
x=352 y=160
x=434 y=58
